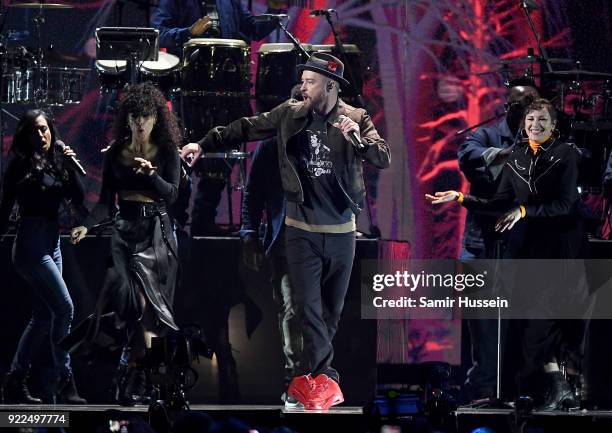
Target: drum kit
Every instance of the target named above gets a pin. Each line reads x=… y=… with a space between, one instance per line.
x=583 y=100
x=217 y=68
x=210 y=85
x=27 y=77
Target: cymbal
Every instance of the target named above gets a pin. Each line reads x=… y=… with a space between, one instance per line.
x=58 y=58
x=41 y=5
x=578 y=74
x=533 y=59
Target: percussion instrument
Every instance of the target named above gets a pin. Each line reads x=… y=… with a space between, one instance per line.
x=276 y=73
x=113 y=74
x=10 y=61
x=40 y=5
x=164 y=72
x=53 y=86
x=216 y=67
x=577 y=75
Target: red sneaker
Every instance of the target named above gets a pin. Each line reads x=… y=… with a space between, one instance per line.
x=301 y=388
x=326 y=394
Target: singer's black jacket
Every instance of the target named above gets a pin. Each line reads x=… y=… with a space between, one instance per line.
x=547 y=185
x=39 y=186
x=288 y=120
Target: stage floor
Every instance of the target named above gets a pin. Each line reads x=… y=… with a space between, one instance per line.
x=210 y=408
x=352 y=419
x=94 y=418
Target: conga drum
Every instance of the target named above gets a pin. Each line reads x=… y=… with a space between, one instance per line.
x=276 y=73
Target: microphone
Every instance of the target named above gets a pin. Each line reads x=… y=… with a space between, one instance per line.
x=319 y=12
x=59 y=144
x=265 y=18
x=529 y=5
x=352 y=134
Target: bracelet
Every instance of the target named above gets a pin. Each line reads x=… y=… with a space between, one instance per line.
x=460 y=197
x=523 y=211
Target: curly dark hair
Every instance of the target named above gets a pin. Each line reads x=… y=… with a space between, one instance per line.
x=146 y=99
x=23 y=147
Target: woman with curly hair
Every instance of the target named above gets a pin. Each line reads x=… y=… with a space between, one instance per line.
x=141 y=173
x=39 y=180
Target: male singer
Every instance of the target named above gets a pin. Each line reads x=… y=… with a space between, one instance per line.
x=322 y=142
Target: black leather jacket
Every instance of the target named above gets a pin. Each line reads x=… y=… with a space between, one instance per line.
x=289 y=119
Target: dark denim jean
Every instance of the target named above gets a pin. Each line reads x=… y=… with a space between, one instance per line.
x=38 y=259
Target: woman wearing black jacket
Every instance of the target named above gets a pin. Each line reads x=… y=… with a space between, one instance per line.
x=538 y=199
x=39 y=180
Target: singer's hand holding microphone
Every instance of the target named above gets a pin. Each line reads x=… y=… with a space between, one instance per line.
x=69 y=154
x=350 y=130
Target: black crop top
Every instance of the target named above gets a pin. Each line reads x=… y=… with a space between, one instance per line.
x=118 y=177
x=38 y=192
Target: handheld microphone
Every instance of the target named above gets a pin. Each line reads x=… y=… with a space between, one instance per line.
x=354 y=137
x=529 y=5
x=59 y=144
x=265 y=18
x=319 y=12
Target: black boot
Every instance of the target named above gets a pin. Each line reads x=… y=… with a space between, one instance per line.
x=67 y=392
x=15 y=389
x=118 y=384
x=559 y=395
x=133 y=387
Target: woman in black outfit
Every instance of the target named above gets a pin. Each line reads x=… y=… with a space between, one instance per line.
x=538 y=197
x=141 y=173
x=39 y=179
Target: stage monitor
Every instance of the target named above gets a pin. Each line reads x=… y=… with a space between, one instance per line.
x=127 y=43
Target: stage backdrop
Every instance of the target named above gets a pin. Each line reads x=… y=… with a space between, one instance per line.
x=431 y=68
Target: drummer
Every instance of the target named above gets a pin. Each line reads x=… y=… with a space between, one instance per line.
x=180 y=20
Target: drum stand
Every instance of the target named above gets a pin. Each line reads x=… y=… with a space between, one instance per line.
x=39 y=94
x=241 y=157
x=2 y=110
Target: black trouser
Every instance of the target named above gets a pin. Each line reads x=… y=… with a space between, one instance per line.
x=319 y=270
x=213 y=178
x=482 y=375
x=288 y=325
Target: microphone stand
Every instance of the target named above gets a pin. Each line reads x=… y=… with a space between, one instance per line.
x=374 y=230
x=470 y=128
x=347 y=67
x=292 y=38
x=542 y=51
